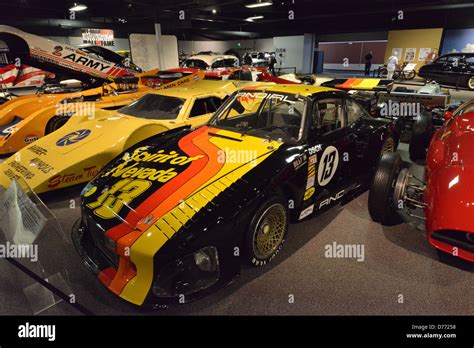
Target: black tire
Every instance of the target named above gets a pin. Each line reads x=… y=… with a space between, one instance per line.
x=420 y=136
x=273 y=209
x=55 y=123
x=381 y=205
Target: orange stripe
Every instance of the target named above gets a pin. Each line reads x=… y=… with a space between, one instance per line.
x=347 y=84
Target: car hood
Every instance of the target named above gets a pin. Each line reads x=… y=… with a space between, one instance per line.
x=160 y=175
x=75 y=153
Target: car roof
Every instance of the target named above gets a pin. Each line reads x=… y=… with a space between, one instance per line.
x=211 y=58
x=458 y=54
x=304 y=90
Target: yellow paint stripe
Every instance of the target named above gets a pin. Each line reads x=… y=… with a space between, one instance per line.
x=367 y=84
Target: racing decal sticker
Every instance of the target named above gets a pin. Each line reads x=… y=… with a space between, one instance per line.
x=30 y=138
x=307 y=212
x=300 y=162
x=71 y=178
x=73 y=137
x=328 y=165
x=309 y=193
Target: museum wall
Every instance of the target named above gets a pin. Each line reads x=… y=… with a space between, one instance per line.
x=409 y=43
x=458 y=40
x=145 y=53
x=120 y=43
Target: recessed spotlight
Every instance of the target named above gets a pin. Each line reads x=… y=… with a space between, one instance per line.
x=78 y=7
x=251 y=19
x=214 y=11
x=259 y=3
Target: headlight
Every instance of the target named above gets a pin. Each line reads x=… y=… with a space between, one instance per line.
x=190 y=274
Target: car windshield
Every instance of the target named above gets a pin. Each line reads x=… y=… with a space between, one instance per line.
x=154 y=107
x=278 y=116
x=195 y=63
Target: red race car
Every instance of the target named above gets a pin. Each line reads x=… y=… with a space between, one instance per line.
x=444 y=199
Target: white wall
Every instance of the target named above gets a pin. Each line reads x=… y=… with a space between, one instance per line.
x=293 y=57
x=188 y=47
x=145 y=51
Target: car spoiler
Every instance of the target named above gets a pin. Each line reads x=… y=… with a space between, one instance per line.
x=60 y=58
x=364 y=84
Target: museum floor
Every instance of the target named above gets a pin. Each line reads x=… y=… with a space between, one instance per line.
x=400 y=275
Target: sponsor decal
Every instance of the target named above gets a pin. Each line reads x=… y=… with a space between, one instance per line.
x=312 y=159
x=73 y=137
x=315 y=149
x=30 y=138
x=331 y=200
x=310 y=182
x=328 y=165
x=130 y=168
x=40 y=151
x=309 y=193
x=299 y=162
x=251 y=96
x=87 y=62
x=86 y=174
x=57 y=51
x=21 y=169
x=307 y=212
x=41 y=165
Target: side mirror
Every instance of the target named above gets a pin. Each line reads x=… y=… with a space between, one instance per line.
x=447 y=115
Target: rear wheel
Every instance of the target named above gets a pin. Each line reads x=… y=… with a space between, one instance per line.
x=410 y=75
x=421 y=135
x=470 y=83
x=267 y=232
x=382 y=207
x=55 y=123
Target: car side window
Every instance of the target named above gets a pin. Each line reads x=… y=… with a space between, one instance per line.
x=441 y=60
x=204 y=106
x=329 y=115
x=353 y=110
x=218 y=64
x=470 y=60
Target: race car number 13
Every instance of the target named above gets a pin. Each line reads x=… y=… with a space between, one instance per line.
x=123 y=192
x=328 y=165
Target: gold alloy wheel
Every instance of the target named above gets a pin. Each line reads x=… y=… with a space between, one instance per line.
x=269 y=231
x=388 y=146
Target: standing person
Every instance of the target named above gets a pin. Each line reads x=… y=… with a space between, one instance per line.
x=272 y=63
x=247 y=59
x=368 y=63
x=392 y=63
x=430 y=58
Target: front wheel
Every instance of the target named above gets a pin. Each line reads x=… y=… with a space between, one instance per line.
x=421 y=136
x=267 y=232
x=55 y=123
x=470 y=83
x=410 y=75
x=382 y=207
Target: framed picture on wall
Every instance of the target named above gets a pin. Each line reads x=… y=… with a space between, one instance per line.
x=423 y=54
x=397 y=52
x=410 y=54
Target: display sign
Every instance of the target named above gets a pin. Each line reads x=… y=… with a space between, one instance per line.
x=98 y=37
x=410 y=54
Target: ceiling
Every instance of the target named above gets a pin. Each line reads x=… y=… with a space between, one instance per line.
x=51 y=17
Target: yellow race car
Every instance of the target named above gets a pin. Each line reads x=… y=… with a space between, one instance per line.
x=76 y=152
x=26 y=119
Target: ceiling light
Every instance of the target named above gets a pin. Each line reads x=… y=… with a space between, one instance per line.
x=251 y=19
x=214 y=11
x=78 y=7
x=259 y=3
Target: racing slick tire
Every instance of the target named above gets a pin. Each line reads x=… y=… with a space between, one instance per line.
x=421 y=135
x=381 y=205
x=55 y=123
x=267 y=232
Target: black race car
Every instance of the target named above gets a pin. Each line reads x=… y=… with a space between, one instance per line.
x=454 y=69
x=175 y=216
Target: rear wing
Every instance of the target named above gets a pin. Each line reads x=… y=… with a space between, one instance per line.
x=364 y=84
x=58 y=57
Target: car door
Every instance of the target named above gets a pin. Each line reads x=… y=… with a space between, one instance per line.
x=329 y=151
x=202 y=109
